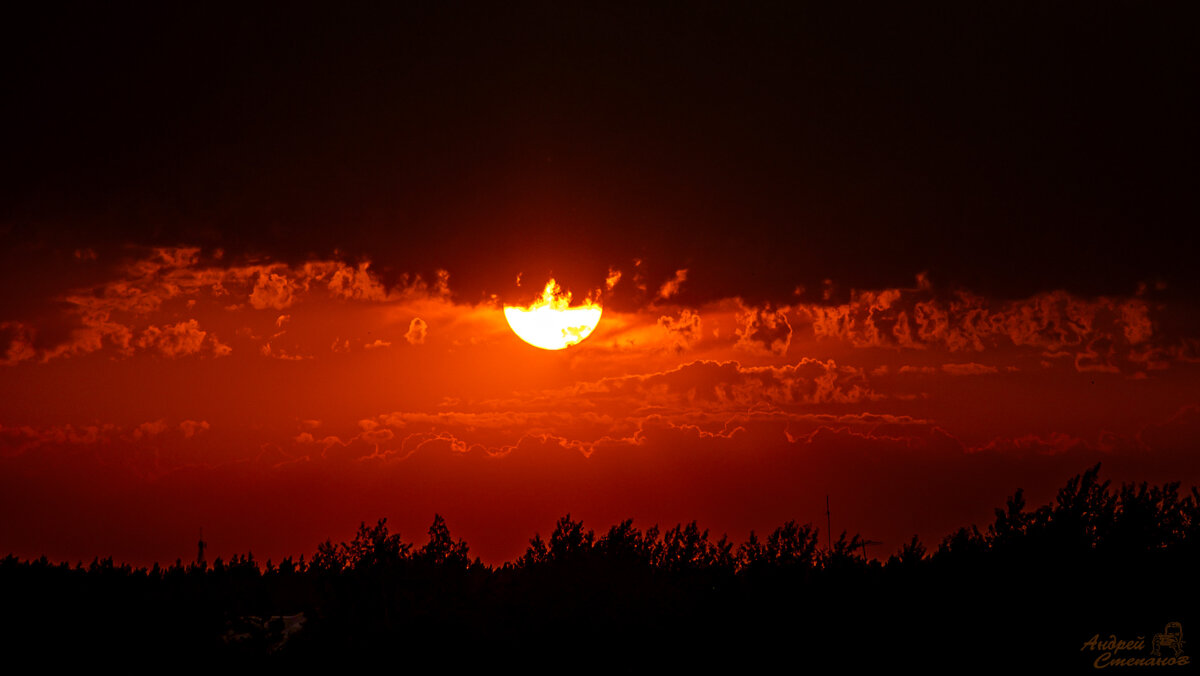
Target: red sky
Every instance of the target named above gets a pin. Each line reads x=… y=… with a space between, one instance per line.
x=278 y=405
x=253 y=264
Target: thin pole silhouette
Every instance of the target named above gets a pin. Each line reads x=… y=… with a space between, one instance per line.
x=828 y=523
x=200 y=549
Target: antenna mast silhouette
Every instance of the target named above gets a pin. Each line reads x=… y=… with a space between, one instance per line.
x=200 y=549
x=828 y=523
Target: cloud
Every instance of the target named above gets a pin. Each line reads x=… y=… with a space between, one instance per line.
x=1135 y=316
x=150 y=429
x=417 y=330
x=125 y=312
x=712 y=395
x=181 y=340
x=610 y=281
x=1032 y=444
x=278 y=353
x=356 y=283
x=17 y=440
x=133 y=447
x=271 y=291
x=1102 y=333
x=191 y=428
x=443 y=282
x=682 y=330
x=968 y=369
x=65 y=334
x=16 y=339
x=729 y=386
x=671 y=286
x=764 y=331
x=377 y=344
x=1098 y=356
x=155 y=289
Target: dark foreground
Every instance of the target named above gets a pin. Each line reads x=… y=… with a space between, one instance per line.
x=1103 y=580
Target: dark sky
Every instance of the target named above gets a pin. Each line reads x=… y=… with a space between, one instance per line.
x=1004 y=147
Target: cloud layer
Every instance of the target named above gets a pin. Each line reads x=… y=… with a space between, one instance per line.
x=295 y=399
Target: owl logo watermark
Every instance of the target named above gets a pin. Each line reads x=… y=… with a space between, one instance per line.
x=1171 y=637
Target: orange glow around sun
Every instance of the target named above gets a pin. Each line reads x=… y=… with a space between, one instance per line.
x=550 y=322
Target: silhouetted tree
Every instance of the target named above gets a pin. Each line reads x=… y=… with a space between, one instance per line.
x=377 y=591
x=751 y=553
x=964 y=542
x=1147 y=519
x=911 y=555
x=1083 y=513
x=570 y=541
x=845 y=554
x=792 y=545
x=624 y=543
x=1012 y=524
x=329 y=558
x=687 y=548
x=442 y=549
x=535 y=554
x=374 y=547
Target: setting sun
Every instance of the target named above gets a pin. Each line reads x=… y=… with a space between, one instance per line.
x=550 y=322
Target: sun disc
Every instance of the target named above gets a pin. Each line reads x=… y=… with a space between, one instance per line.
x=550 y=323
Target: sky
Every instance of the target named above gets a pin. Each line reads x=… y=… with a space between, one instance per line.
x=255 y=262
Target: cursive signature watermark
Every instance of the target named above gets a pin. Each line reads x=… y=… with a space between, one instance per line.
x=1164 y=649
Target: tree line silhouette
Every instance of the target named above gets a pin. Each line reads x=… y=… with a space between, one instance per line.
x=1026 y=591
